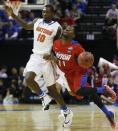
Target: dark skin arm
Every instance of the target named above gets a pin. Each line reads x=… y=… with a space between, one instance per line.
x=25 y=25
x=59 y=34
x=51 y=57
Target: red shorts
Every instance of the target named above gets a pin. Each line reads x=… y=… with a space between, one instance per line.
x=74 y=81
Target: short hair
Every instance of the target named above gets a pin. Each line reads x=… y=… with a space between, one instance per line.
x=49 y=6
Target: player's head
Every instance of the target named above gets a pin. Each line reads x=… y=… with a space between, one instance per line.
x=113 y=6
x=48 y=12
x=68 y=32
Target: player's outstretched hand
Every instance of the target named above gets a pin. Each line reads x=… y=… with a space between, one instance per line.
x=8 y=9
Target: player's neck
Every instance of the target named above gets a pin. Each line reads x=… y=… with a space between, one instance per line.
x=66 y=41
x=48 y=21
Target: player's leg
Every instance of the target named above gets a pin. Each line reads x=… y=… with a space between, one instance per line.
x=31 y=83
x=47 y=99
x=82 y=78
x=32 y=70
x=50 y=80
x=92 y=92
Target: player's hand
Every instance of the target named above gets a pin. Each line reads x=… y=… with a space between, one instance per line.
x=71 y=93
x=110 y=101
x=47 y=57
x=8 y=10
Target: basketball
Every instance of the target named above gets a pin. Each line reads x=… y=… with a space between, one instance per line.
x=85 y=59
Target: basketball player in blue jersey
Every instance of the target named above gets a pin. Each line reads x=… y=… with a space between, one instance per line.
x=45 y=32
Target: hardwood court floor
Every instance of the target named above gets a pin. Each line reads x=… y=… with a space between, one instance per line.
x=32 y=118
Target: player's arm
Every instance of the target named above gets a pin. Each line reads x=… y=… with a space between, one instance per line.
x=59 y=33
x=24 y=24
x=51 y=57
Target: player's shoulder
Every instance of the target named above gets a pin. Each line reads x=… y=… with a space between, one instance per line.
x=75 y=43
x=39 y=20
x=57 y=42
x=56 y=23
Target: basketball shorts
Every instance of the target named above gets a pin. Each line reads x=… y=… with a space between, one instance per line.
x=76 y=80
x=41 y=67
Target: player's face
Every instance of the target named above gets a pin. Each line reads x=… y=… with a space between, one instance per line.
x=47 y=13
x=68 y=32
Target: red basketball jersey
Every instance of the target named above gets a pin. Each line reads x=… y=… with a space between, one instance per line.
x=67 y=55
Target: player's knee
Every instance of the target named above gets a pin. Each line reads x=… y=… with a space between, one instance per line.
x=28 y=81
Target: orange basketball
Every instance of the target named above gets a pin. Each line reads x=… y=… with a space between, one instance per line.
x=85 y=59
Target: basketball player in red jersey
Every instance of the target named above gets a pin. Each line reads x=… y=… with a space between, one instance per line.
x=46 y=30
x=65 y=54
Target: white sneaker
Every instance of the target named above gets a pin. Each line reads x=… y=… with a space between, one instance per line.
x=66 y=118
x=46 y=101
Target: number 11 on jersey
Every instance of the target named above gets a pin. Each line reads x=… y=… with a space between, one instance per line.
x=61 y=63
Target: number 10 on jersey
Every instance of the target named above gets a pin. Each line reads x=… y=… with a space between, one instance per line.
x=41 y=38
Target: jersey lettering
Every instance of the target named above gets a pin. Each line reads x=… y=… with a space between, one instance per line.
x=43 y=30
x=61 y=56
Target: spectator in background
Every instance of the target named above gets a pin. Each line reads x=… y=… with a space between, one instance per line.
x=12 y=30
x=111 y=15
x=75 y=12
x=20 y=74
x=55 y=4
x=9 y=98
x=3 y=23
x=104 y=80
x=67 y=19
x=3 y=72
x=2 y=90
x=58 y=13
x=81 y=5
x=97 y=80
x=14 y=74
x=20 y=82
x=109 y=28
x=9 y=29
x=16 y=82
